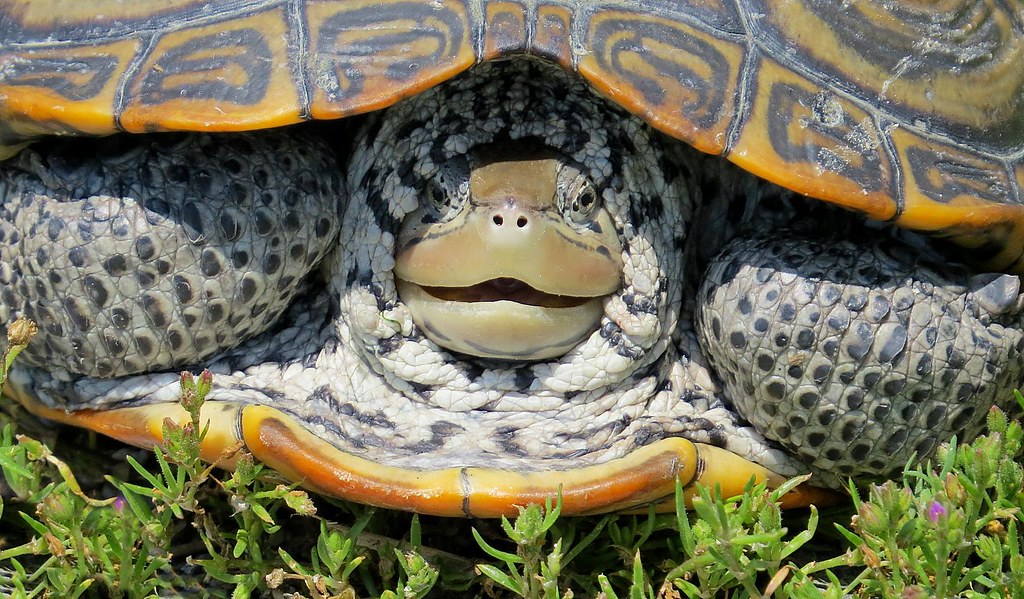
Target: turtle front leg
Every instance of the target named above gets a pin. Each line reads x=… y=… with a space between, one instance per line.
x=858 y=358
x=158 y=252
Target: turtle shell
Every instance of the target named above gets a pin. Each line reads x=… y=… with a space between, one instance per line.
x=910 y=112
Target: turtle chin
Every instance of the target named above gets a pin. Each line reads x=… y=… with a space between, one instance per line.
x=503 y=329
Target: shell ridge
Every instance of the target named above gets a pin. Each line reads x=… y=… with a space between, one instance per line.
x=743 y=103
x=140 y=28
x=898 y=182
x=298 y=27
x=127 y=78
x=478 y=28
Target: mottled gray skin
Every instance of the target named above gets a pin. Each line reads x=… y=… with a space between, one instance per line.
x=159 y=255
x=858 y=357
x=346 y=360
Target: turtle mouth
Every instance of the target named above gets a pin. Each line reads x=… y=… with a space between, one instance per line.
x=505 y=289
x=501 y=318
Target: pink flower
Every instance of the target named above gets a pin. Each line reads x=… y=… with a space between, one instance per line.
x=936 y=511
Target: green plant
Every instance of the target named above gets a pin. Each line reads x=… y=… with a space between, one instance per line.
x=953 y=531
x=733 y=543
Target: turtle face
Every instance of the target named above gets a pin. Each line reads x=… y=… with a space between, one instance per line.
x=510 y=255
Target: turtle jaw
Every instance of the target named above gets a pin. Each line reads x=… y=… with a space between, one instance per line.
x=477 y=321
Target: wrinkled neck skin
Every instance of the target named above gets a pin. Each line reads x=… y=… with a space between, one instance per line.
x=637 y=377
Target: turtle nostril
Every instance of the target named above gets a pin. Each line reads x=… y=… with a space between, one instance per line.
x=501 y=217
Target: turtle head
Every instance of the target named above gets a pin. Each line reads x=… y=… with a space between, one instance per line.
x=510 y=254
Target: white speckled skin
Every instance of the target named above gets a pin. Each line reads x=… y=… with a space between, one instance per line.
x=135 y=258
x=626 y=385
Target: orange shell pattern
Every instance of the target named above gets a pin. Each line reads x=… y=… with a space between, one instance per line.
x=912 y=112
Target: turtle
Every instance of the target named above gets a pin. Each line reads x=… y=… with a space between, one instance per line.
x=456 y=257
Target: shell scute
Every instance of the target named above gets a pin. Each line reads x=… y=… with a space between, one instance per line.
x=506 y=29
x=192 y=77
x=61 y=90
x=553 y=39
x=367 y=55
x=954 y=62
x=679 y=78
x=817 y=142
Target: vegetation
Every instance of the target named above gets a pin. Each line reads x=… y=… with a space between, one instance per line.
x=167 y=524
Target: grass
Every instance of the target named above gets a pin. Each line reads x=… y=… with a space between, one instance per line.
x=164 y=524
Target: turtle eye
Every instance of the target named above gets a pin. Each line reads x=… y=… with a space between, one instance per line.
x=586 y=200
x=578 y=200
x=445 y=194
x=437 y=200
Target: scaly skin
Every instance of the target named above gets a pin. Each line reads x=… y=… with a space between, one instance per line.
x=859 y=357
